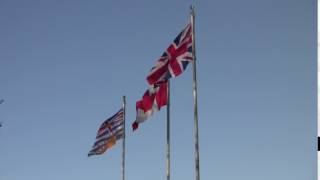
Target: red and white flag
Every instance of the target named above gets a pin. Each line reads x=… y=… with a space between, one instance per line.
x=153 y=99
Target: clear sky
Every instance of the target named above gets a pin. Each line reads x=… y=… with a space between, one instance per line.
x=64 y=66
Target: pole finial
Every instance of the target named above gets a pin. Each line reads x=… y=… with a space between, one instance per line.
x=192 y=9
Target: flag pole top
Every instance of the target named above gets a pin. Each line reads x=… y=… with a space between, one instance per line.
x=192 y=9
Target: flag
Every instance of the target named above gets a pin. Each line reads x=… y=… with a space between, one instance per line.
x=175 y=59
x=153 y=99
x=109 y=131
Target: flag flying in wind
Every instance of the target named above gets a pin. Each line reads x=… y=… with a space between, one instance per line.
x=175 y=59
x=109 y=131
x=171 y=64
x=153 y=99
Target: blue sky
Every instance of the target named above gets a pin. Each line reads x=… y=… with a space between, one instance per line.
x=64 y=66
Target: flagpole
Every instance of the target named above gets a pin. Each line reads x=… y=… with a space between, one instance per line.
x=168 y=132
x=194 y=85
x=124 y=136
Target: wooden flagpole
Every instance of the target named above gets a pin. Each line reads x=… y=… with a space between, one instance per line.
x=195 y=98
x=168 y=132
x=124 y=136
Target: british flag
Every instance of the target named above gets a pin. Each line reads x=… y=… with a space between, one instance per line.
x=171 y=64
x=175 y=59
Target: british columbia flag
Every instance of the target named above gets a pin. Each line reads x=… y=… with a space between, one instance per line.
x=109 y=132
x=175 y=59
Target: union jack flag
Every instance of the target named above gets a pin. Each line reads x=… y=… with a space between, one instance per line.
x=175 y=59
x=109 y=132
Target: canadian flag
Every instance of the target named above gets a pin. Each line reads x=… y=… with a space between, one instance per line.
x=153 y=99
